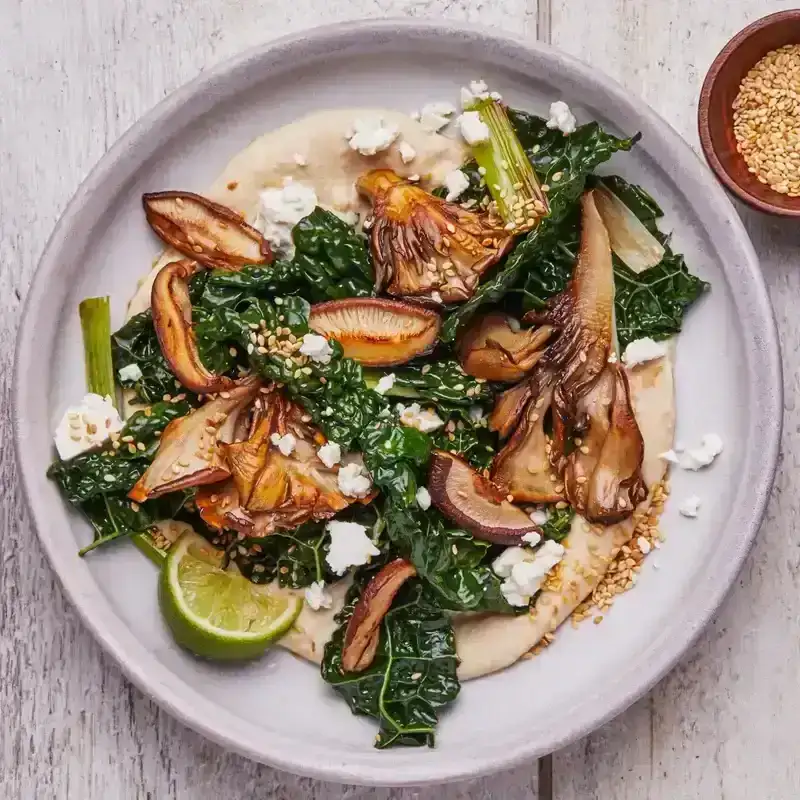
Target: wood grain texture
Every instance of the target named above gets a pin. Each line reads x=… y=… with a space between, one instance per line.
x=73 y=77
x=725 y=723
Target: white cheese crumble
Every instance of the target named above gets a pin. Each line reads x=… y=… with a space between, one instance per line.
x=561 y=118
x=670 y=456
x=473 y=129
x=317 y=597
x=86 y=425
x=386 y=383
x=354 y=480
x=407 y=152
x=317 y=348
x=300 y=160
x=433 y=123
x=423 y=497
x=643 y=350
x=285 y=443
x=476 y=414
x=350 y=546
x=130 y=372
x=644 y=545
x=436 y=297
x=279 y=210
x=524 y=570
x=415 y=417
x=478 y=90
x=703 y=456
x=532 y=539
x=456 y=183
x=539 y=517
x=690 y=506
x=371 y=136
x=330 y=454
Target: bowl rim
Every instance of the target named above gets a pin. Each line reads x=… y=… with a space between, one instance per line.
x=704 y=105
x=762 y=356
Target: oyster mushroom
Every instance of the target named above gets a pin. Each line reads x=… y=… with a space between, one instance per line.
x=474 y=502
x=423 y=246
x=172 y=319
x=361 y=636
x=376 y=331
x=509 y=407
x=207 y=232
x=494 y=347
x=189 y=453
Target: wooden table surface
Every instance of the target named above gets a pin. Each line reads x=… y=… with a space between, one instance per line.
x=74 y=75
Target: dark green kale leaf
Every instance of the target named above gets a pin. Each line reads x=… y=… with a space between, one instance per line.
x=558 y=523
x=474 y=443
x=136 y=343
x=442 y=383
x=414 y=670
x=455 y=564
x=563 y=163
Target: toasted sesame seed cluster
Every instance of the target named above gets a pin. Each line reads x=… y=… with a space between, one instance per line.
x=767 y=120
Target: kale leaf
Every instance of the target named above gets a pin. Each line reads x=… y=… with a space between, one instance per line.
x=414 y=670
x=558 y=523
x=442 y=383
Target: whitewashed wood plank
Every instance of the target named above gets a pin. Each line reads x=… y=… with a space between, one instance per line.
x=73 y=77
x=725 y=722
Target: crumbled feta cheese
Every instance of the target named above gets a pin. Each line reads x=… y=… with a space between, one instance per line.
x=690 y=506
x=386 y=383
x=285 y=443
x=457 y=183
x=496 y=96
x=415 y=417
x=86 y=425
x=442 y=107
x=407 y=152
x=371 y=136
x=317 y=348
x=350 y=546
x=423 y=498
x=317 y=597
x=433 y=123
x=436 y=297
x=354 y=480
x=130 y=372
x=561 y=118
x=643 y=350
x=524 y=570
x=330 y=454
x=279 y=210
x=478 y=88
x=644 y=545
x=539 y=517
x=476 y=414
x=473 y=129
x=300 y=160
x=532 y=539
x=413 y=178
x=669 y=455
x=703 y=456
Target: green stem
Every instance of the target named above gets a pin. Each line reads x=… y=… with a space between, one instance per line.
x=95 y=317
x=507 y=170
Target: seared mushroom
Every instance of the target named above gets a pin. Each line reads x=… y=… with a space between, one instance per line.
x=188 y=452
x=361 y=637
x=508 y=408
x=494 y=347
x=473 y=501
x=522 y=468
x=376 y=331
x=205 y=231
x=423 y=246
x=172 y=319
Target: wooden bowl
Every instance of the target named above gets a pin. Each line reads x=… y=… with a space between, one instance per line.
x=715 y=112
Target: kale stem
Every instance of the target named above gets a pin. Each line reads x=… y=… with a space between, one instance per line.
x=95 y=317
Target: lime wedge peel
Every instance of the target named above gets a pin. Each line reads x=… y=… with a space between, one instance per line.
x=217 y=613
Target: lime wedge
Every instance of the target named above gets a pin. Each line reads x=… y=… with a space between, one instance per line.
x=217 y=613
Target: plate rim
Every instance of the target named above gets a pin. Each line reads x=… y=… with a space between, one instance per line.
x=766 y=391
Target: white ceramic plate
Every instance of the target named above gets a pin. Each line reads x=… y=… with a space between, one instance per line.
x=728 y=376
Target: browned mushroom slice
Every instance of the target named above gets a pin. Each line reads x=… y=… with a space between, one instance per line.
x=188 y=453
x=508 y=408
x=522 y=467
x=172 y=319
x=208 y=232
x=425 y=247
x=603 y=477
x=495 y=348
x=361 y=636
x=376 y=331
x=474 y=502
